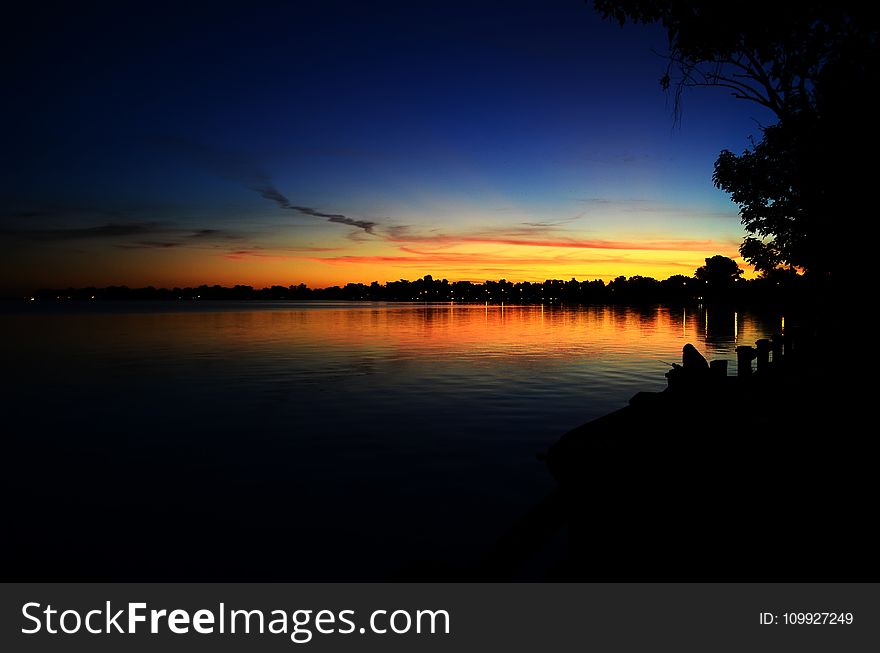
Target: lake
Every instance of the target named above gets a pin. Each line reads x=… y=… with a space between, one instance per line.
x=307 y=441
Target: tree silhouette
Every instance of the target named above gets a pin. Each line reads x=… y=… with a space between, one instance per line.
x=811 y=64
x=719 y=271
x=766 y=183
x=770 y=53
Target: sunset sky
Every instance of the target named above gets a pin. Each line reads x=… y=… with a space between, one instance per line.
x=326 y=142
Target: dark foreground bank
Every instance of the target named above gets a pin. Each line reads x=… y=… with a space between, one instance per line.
x=767 y=475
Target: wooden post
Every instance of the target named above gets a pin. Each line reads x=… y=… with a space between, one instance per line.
x=744 y=356
x=763 y=346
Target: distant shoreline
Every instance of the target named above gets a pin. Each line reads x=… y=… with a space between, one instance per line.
x=622 y=290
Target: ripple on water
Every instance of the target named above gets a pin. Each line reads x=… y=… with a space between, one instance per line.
x=436 y=411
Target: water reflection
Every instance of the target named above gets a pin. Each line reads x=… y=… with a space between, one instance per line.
x=434 y=411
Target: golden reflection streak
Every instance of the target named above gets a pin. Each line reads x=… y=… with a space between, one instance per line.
x=433 y=331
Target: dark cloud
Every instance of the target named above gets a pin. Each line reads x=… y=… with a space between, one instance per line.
x=366 y=225
x=215 y=234
x=98 y=232
x=268 y=191
x=166 y=235
x=399 y=231
x=551 y=225
x=61 y=212
x=237 y=166
x=332 y=217
x=150 y=244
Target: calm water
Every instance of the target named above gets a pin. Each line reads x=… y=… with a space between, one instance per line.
x=310 y=441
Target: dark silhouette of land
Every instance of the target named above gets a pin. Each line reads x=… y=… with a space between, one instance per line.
x=765 y=476
x=719 y=279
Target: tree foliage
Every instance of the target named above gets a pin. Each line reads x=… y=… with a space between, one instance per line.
x=764 y=182
x=719 y=271
x=813 y=64
x=771 y=53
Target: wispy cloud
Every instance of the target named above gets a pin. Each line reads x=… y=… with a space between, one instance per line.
x=244 y=170
x=655 y=206
x=277 y=253
x=656 y=245
x=63 y=212
x=149 y=244
x=545 y=225
x=136 y=235
x=418 y=258
x=96 y=232
x=215 y=234
x=534 y=237
x=268 y=191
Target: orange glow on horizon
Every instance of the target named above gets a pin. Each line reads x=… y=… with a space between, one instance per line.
x=378 y=260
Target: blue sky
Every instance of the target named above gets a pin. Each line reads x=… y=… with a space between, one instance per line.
x=136 y=142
